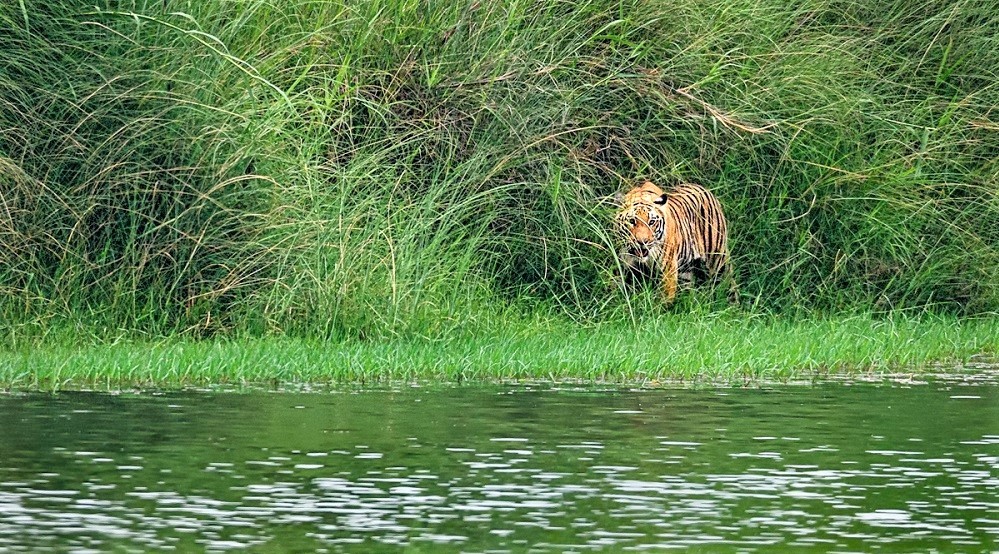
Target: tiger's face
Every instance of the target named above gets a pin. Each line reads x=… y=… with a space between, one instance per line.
x=640 y=226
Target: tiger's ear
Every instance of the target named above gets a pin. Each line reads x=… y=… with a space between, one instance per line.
x=619 y=198
x=660 y=200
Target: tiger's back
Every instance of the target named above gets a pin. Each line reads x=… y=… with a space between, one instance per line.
x=702 y=225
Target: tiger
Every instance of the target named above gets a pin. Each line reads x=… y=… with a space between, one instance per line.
x=680 y=234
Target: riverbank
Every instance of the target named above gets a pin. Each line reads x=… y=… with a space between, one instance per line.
x=713 y=348
x=258 y=193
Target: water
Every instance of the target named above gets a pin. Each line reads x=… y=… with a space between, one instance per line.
x=835 y=467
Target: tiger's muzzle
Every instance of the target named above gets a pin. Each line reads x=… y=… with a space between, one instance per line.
x=636 y=254
x=640 y=251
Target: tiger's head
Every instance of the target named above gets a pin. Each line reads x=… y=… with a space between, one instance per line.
x=640 y=225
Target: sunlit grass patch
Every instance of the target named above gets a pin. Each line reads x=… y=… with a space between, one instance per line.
x=658 y=351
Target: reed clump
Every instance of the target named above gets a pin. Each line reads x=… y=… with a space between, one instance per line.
x=381 y=168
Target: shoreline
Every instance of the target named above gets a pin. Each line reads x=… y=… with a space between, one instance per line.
x=662 y=351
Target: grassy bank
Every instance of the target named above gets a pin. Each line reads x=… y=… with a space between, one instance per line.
x=380 y=190
x=720 y=348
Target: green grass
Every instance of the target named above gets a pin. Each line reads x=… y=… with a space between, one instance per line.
x=722 y=348
x=392 y=172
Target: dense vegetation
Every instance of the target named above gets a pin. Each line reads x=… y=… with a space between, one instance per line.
x=376 y=168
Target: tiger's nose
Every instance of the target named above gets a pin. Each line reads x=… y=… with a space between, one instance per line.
x=640 y=250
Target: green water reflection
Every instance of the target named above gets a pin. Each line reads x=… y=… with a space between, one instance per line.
x=856 y=467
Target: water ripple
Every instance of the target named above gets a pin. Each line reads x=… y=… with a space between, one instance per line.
x=740 y=471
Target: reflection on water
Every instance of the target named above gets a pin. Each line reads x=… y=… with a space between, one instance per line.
x=837 y=467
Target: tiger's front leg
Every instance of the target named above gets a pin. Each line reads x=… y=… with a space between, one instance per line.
x=670 y=270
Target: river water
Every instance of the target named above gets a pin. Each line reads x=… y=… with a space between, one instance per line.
x=844 y=467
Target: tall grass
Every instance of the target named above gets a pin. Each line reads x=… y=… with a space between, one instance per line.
x=377 y=168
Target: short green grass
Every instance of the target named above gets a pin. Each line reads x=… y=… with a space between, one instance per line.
x=664 y=351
